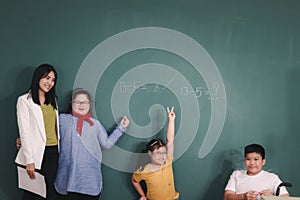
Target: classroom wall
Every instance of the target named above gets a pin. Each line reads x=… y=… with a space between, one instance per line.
x=231 y=69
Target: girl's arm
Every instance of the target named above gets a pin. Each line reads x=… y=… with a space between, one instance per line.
x=107 y=141
x=139 y=189
x=170 y=131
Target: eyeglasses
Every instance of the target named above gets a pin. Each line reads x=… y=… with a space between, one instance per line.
x=79 y=103
x=159 y=153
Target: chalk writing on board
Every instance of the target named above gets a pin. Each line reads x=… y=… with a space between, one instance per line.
x=96 y=63
x=198 y=91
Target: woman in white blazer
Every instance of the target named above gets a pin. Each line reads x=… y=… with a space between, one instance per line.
x=37 y=117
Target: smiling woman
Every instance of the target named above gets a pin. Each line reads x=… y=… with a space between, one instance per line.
x=46 y=83
x=38 y=121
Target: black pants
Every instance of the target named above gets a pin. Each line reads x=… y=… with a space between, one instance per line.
x=78 y=196
x=49 y=169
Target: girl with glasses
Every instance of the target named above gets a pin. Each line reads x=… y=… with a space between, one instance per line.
x=158 y=174
x=79 y=175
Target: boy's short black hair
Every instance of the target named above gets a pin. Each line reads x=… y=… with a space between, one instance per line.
x=255 y=148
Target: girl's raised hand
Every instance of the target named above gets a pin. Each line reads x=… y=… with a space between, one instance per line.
x=125 y=122
x=171 y=113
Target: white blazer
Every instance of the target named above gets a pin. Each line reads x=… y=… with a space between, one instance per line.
x=32 y=131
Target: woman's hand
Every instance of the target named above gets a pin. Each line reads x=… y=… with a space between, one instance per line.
x=30 y=170
x=18 y=143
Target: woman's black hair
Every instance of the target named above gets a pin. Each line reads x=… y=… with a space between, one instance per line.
x=155 y=144
x=40 y=72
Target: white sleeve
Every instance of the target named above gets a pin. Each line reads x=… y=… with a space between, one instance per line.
x=232 y=182
x=277 y=181
x=25 y=130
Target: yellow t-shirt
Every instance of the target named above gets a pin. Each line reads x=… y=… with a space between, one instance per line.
x=160 y=184
x=49 y=115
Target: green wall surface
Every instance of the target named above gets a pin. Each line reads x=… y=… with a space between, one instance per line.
x=231 y=68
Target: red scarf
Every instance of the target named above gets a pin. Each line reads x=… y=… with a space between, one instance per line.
x=86 y=117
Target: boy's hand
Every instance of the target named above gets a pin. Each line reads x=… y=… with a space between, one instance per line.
x=171 y=113
x=266 y=193
x=251 y=195
x=143 y=198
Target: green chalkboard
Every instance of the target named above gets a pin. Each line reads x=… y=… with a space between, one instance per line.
x=230 y=68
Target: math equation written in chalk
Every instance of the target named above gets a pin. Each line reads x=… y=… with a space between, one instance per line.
x=185 y=90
